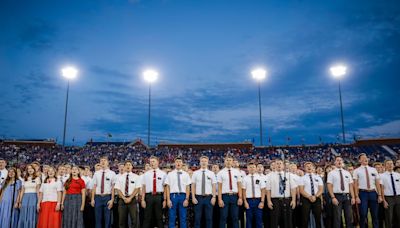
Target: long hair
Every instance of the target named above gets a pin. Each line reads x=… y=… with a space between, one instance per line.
x=55 y=174
x=68 y=182
x=26 y=176
x=8 y=180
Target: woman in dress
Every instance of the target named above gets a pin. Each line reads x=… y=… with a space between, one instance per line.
x=49 y=203
x=73 y=202
x=29 y=195
x=9 y=198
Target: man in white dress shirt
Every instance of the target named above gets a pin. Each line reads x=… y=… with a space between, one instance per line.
x=229 y=193
x=311 y=189
x=391 y=190
x=340 y=187
x=177 y=185
x=236 y=165
x=254 y=196
x=154 y=199
x=281 y=196
x=127 y=186
x=203 y=193
x=3 y=171
x=367 y=191
x=103 y=193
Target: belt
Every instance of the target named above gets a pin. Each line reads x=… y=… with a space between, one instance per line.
x=177 y=193
x=151 y=194
x=230 y=194
x=341 y=194
x=365 y=190
x=103 y=195
x=253 y=198
x=281 y=199
x=208 y=195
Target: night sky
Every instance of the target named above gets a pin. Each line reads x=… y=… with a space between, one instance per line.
x=204 y=52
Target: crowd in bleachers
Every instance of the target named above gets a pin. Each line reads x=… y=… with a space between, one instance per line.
x=88 y=154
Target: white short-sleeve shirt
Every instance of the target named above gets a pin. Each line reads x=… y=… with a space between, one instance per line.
x=172 y=181
x=334 y=179
x=31 y=185
x=109 y=181
x=210 y=180
x=360 y=175
x=50 y=190
x=223 y=178
x=257 y=182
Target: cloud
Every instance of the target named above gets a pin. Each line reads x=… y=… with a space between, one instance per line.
x=38 y=34
x=388 y=129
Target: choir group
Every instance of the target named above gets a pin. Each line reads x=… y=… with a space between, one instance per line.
x=267 y=195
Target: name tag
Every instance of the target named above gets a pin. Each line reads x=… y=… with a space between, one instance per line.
x=209 y=178
x=132 y=182
x=33 y=181
x=347 y=177
x=159 y=178
x=397 y=180
x=107 y=179
x=316 y=180
x=257 y=181
x=235 y=177
x=373 y=174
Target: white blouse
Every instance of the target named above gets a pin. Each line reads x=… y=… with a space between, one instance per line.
x=50 y=190
x=30 y=185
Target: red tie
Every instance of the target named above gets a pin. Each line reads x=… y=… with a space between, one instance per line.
x=102 y=183
x=127 y=185
x=154 y=183
x=230 y=180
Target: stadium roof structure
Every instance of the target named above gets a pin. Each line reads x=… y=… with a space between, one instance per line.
x=32 y=142
x=238 y=145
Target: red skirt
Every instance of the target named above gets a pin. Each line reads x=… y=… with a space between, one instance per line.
x=48 y=216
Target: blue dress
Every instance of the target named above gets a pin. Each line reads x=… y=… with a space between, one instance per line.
x=6 y=204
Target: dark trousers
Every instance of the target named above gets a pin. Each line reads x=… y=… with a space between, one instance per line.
x=216 y=214
x=123 y=211
x=241 y=215
x=101 y=211
x=266 y=216
x=368 y=200
x=203 y=205
x=88 y=215
x=381 y=215
x=316 y=209
x=344 y=205
x=153 y=210
x=230 y=205
x=253 y=214
x=281 y=213
x=393 y=210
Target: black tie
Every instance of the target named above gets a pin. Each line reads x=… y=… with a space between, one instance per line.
x=393 y=186
x=312 y=186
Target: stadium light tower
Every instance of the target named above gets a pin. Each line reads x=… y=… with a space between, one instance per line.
x=70 y=73
x=150 y=76
x=259 y=75
x=338 y=72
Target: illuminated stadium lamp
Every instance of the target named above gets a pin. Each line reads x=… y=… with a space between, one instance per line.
x=150 y=75
x=259 y=74
x=338 y=71
x=69 y=72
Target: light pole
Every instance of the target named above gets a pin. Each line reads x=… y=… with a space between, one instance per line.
x=69 y=73
x=259 y=75
x=150 y=76
x=338 y=72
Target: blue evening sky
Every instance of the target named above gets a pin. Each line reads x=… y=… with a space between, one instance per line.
x=204 y=51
